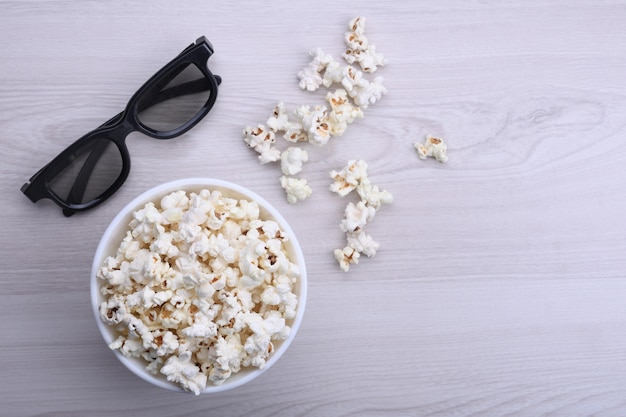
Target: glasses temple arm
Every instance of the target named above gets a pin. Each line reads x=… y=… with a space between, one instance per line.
x=77 y=191
x=195 y=86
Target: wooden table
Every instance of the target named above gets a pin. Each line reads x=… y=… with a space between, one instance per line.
x=499 y=286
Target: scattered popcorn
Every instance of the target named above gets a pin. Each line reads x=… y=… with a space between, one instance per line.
x=362 y=243
x=318 y=124
x=262 y=140
x=269 y=155
x=355 y=37
x=315 y=123
x=279 y=122
x=360 y=89
x=354 y=177
x=349 y=177
x=346 y=257
x=334 y=73
x=343 y=112
x=296 y=188
x=357 y=216
x=371 y=195
x=365 y=93
x=295 y=134
x=359 y=49
x=215 y=304
x=433 y=147
x=258 y=137
x=324 y=70
x=368 y=59
x=311 y=76
x=292 y=159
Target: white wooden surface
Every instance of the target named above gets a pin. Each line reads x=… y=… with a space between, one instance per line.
x=500 y=285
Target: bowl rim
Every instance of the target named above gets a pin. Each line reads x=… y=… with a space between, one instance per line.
x=159 y=191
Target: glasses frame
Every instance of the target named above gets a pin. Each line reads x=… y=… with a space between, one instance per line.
x=121 y=125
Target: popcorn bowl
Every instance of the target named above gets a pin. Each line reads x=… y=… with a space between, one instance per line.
x=115 y=233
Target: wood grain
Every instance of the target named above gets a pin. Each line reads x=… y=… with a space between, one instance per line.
x=499 y=286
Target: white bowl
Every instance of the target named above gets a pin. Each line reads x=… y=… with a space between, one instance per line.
x=115 y=233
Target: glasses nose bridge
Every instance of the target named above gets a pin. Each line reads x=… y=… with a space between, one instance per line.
x=124 y=126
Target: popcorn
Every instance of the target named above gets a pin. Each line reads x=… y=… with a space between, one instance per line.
x=368 y=59
x=310 y=77
x=288 y=300
x=203 y=327
x=279 y=122
x=341 y=106
x=168 y=344
x=292 y=159
x=360 y=89
x=362 y=243
x=318 y=124
x=262 y=140
x=270 y=296
x=334 y=73
x=229 y=354
x=433 y=147
x=173 y=206
x=357 y=216
x=297 y=189
x=364 y=92
x=346 y=257
x=264 y=330
x=180 y=369
x=295 y=134
x=163 y=245
x=349 y=177
x=371 y=195
x=315 y=123
x=359 y=49
x=113 y=311
x=200 y=288
x=342 y=111
x=131 y=347
x=146 y=298
x=355 y=38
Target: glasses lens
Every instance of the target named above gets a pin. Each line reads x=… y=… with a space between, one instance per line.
x=88 y=172
x=174 y=102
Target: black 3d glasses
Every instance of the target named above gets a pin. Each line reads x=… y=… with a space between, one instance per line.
x=94 y=167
